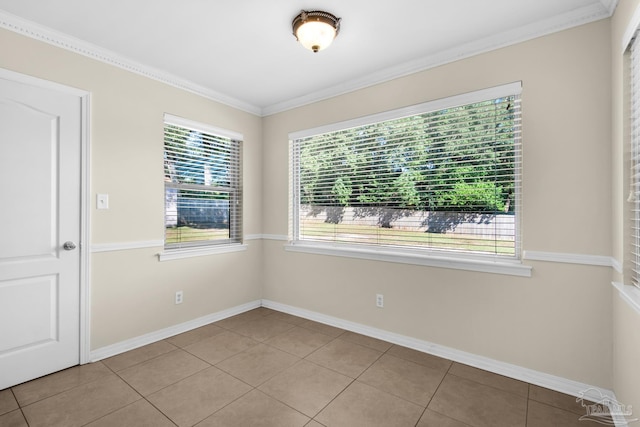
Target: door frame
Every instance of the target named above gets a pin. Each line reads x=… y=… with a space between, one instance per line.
x=85 y=197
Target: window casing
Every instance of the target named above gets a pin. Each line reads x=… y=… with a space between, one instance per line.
x=203 y=189
x=634 y=196
x=441 y=178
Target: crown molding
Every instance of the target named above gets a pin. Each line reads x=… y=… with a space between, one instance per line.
x=610 y=5
x=577 y=17
x=558 y=23
x=81 y=47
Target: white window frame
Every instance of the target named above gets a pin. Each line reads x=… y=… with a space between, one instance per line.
x=446 y=259
x=634 y=190
x=235 y=242
x=628 y=291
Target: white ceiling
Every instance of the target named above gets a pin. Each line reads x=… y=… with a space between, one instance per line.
x=242 y=52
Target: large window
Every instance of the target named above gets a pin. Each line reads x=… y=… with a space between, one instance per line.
x=442 y=177
x=634 y=196
x=203 y=202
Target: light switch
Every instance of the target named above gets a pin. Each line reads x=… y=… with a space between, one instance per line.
x=102 y=201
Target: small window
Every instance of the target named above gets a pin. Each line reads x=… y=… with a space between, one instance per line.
x=441 y=178
x=203 y=191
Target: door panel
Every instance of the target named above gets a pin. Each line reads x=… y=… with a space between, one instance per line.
x=40 y=294
x=40 y=148
x=25 y=131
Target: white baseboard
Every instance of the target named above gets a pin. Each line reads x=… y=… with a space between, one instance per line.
x=133 y=343
x=562 y=385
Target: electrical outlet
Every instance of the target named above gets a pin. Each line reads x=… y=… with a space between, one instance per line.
x=379 y=300
x=179 y=297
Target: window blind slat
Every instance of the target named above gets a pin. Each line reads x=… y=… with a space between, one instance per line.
x=203 y=203
x=446 y=180
x=635 y=161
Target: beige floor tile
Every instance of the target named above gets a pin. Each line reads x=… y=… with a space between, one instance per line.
x=488 y=378
x=477 y=404
x=234 y=321
x=191 y=400
x=195 y=335
x=362 y=405
x=345 y=357
x=220 y=347
x=7 y=402
x=541 y=415
x=257 y=364
x=138 y=355
x=50 y=385
x=262 y=329
x=403 y=378
x=306 y=387
x=82 y=404
x=13 y=419
x=138 y=414
x=556 y=399
x=302 y=369
x=256 y=409
x=299 y=341
x=433 y=419
x=424 y=359
x=285 y=317
x=263 y=311
x=155 y=374
x=366 y=341
x=322 y=328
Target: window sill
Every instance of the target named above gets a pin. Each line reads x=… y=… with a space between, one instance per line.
x=172 y=254
x=513 y=268
x=630 y=294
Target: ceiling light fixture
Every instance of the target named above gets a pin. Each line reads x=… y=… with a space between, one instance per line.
x=315 y=29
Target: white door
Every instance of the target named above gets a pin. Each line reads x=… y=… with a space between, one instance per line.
x=40 y=189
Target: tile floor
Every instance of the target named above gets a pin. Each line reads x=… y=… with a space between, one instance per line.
x=266 y=368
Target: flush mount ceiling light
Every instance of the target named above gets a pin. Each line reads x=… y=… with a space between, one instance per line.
x=315 y=29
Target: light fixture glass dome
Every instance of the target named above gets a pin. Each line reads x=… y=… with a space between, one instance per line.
x=315 y=29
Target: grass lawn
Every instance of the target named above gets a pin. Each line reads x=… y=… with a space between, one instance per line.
x=368 y=234
x=182 y=234
x=363 y=234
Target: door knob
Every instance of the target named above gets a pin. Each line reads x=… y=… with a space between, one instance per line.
x=69 y=246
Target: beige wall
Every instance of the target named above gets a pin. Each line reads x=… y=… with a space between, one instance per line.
x=132 y=292
x=559 y=320
x=626 y=321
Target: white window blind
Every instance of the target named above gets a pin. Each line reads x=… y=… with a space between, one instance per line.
x=203 y=200
x=442 y=176
x=635 y=161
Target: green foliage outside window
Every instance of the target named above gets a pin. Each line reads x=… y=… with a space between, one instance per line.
x=458 y=160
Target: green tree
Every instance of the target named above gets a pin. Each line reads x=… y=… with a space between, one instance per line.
x=459 y=159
